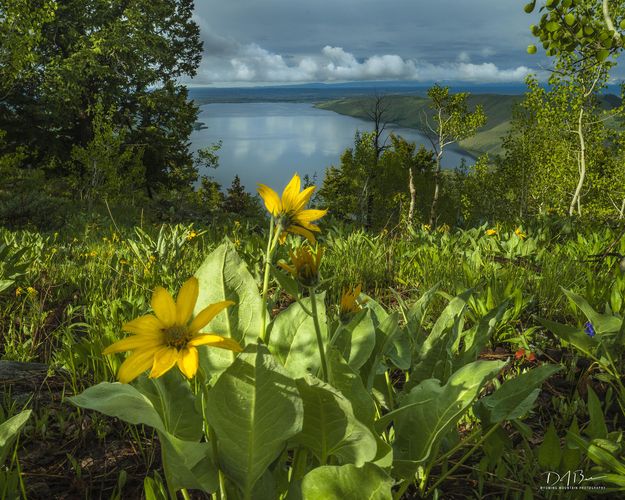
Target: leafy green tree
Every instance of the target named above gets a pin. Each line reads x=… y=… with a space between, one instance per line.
x=131 y=56
x=416 y=163
x=592 y=28
x=453 y=122
x=557 y=148
x=106 y=168
x=238 y=200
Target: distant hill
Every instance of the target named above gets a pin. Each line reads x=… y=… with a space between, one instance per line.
x=409 y=111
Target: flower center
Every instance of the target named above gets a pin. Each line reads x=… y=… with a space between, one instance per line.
x=177 y=336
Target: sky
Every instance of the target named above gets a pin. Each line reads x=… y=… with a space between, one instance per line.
x=259 y=42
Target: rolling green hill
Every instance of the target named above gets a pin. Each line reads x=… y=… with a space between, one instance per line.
x=409 y=111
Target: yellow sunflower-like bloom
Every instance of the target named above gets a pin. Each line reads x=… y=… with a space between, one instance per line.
x=520 y=233
x=491 y=232
x=349 y=304
x=168 y=338
x=289 y=211
x=305 y=263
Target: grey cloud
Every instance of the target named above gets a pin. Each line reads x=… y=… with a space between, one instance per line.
x=268 y=40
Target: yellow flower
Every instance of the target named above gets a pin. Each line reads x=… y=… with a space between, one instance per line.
x=31 y=291
x=491 y=232
x=426 y=227
x=444 y=228
x=191 y=235
x=305 y=265
x=18 y=291
x=520 y=233
x=167 y=338
x=289 y=210
x=349 y=304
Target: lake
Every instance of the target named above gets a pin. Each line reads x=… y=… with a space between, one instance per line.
x=269 y=141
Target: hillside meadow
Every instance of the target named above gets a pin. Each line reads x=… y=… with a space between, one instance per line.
x=512 y=304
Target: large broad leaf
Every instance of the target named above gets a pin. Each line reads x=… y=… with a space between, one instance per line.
x=224 y=276
x=347 y=482
x=415 y=316
x=515 y=397
x=254 y=408
x=349 y=383
x=174 y=402
x=475 y=339
x=357 y=339
x=386 y=333
x=168 y=407
x=429 y=411
x=9 y=431
x=293 y=339
x=330 y=427
x=434 y=355
x=602 y=323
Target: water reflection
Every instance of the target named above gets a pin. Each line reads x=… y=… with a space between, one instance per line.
x=268 y=142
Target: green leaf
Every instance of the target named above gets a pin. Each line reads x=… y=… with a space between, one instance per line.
x=286 y=282
x=347 y=482
x=174 y=402
x=254 y=408
x=224 y=276
x=515 y=397
x=596 y=427
x=434 y=355
x=529 y=7
x=434 y=409
x=549 y=452
x=293 y=339
x=349 y=383
x=187 y=463
x=599 y=455
x=357 y=339
x=330 y=427
x=9 y=430
x=603 y=323
x=569 y=19
x=552 y=26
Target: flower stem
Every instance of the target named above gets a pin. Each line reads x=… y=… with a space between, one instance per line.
x=268 y=255
x=322 y=352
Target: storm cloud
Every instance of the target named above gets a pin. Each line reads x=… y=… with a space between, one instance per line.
x=280 y=41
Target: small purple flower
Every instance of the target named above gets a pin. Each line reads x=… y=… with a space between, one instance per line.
x=589 y=329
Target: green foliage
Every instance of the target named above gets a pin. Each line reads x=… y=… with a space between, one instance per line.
x=127 y=58
x=585 y=27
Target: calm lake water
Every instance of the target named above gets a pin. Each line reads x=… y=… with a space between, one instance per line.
x=268 y=142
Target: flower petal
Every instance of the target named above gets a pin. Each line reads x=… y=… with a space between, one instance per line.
x=164 y=307
x=148 y=325
x=186 y=299
x=188 y=361
x=303 y=198
x=291 y=193
x=205 y=316
x=216 y=341
x=271 y=199
x=136 y=364
x=164 y=360
x=302 y=232
x=131 y=343
x=309 y=215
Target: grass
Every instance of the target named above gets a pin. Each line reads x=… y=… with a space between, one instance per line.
x=78 y=287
